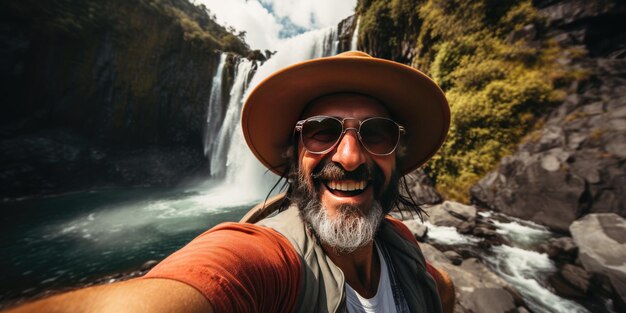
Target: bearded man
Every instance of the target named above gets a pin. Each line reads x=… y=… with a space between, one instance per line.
x=343 y=131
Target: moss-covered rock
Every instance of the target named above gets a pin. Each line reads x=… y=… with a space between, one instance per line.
x=498 y=75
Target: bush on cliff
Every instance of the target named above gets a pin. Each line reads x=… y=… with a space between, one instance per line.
x=499 y=79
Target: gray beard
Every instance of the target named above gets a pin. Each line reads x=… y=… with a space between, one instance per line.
x=348 y=230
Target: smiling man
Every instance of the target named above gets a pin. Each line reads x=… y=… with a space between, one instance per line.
x=343 y=131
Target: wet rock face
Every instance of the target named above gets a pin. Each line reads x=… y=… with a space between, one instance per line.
x=94 y=88
x=345 y=32
x=601 y=240
x=52 y=160
x=575 y=164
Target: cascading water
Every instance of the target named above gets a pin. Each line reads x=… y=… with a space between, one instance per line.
x=331 y=42
x=516 y=263
x=233 y=167
x=355 y=35
x=313 y=44
x=223 y=138
x=237 y=177
x=214 y=110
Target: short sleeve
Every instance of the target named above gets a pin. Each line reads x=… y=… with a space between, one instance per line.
x=238 y=268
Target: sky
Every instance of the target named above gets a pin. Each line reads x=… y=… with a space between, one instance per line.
x=267 y=22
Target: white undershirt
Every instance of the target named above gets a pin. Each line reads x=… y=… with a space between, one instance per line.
x=383 y=300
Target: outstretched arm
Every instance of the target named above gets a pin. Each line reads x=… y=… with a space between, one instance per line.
x=136 y=295
x=238 y=267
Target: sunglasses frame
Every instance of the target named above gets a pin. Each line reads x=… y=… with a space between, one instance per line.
x=299 y=124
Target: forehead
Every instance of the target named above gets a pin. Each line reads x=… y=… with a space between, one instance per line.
x=346 y=105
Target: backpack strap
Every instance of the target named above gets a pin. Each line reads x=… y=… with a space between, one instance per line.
x=263 y=209
x=445 y=286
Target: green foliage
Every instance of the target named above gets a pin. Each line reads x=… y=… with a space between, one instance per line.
x=81 y=18
x=497 y=84
x=200 y=27
x=385 y=25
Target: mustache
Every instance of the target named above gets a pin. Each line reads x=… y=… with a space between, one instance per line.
x=332 y=171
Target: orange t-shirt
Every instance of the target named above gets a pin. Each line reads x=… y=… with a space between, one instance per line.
x=234 y=265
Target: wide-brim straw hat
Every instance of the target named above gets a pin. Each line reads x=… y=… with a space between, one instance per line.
x=413 y=100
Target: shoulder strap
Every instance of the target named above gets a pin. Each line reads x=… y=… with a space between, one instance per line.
x=445 y=286
x=264 y=209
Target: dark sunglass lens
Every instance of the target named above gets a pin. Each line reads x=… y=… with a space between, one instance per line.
x=379 y=135
x=319 y=134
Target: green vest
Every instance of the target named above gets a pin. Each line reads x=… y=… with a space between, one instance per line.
x=323 y=282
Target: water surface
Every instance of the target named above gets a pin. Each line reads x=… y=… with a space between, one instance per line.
x=69 y=240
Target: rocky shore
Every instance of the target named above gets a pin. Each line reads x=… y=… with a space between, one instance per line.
x=588 y=264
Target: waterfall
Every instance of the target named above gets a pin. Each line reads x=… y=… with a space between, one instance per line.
x=237 y=177
x=355 y=36
x=223 y=156
x=331 y=42
x=214 y=110
x=313 y=44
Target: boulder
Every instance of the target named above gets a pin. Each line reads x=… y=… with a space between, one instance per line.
x=564 y=245
x=484 y=232
x=460 y=211
x=452 y=213
x=601 y=241
x=478 y=289
x=534 y=187
x=562 y=249
x=564 y=288
x=418 y=229
x=576 y=276
x=434 y=256
x=424 y=194
x=454 y=257
x=422 y=188
x=466 y=227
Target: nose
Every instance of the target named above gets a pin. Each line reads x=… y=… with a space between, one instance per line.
x=349 y=152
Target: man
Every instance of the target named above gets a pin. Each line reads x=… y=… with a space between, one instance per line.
x=342 y=130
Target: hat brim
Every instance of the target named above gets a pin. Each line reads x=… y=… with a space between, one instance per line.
x=412 y=99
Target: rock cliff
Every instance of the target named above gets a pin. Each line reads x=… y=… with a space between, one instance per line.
x=105 y=93
x=575 y=163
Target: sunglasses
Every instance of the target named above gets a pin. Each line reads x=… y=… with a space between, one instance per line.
x=378 y=135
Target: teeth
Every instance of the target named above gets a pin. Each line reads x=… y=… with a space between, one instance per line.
x=346 y=185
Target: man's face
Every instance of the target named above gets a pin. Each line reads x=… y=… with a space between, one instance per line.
x=348 y=165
